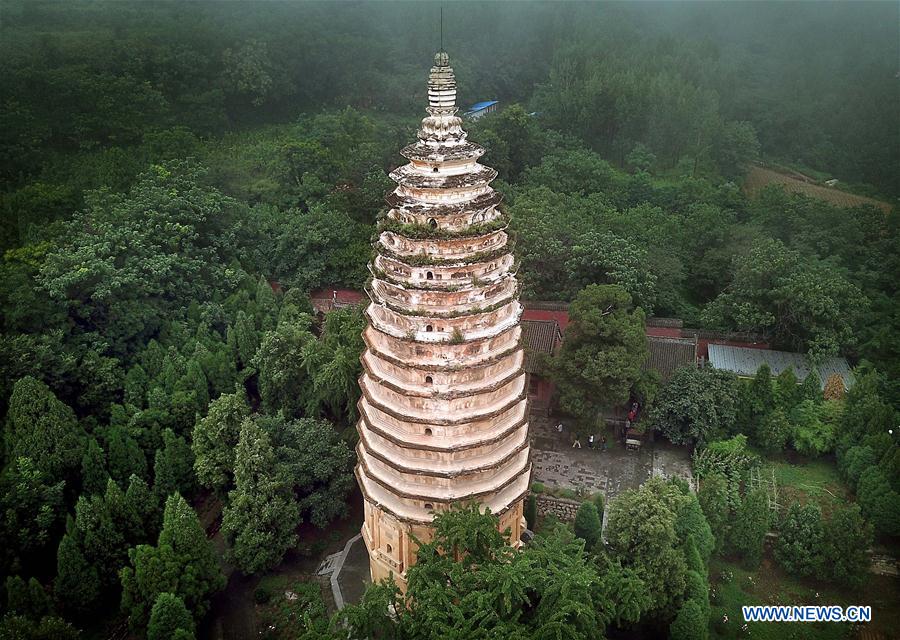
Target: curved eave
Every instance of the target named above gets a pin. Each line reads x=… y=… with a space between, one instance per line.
x=414 y=206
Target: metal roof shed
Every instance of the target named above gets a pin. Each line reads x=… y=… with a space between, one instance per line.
x=745 y=362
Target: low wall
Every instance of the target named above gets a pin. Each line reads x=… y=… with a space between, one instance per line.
x=562 y=508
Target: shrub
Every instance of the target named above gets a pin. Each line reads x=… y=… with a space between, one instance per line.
x=799 y=546
x=168 y=616
x=692 y=556
x=690 y=623
x=599 y=503
x=262 y=595
x=537 y=487
x=588 y=525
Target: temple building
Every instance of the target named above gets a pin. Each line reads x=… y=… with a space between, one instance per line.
x=443 y=416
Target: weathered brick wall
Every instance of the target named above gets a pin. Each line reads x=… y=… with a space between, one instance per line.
x=562 y=508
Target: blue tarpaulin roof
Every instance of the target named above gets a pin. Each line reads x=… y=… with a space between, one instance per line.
x=478 y=106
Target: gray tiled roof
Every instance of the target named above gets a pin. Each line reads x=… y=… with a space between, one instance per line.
x=745 y=362
x=540 y=336
x=668 y=354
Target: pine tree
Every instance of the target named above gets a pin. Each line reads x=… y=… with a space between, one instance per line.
x=194 y=380
x=799 y=546
x=262 y=514
x=713 y=497
x=787 y=390
x=142 y=508
x=749 y=527
x=215 y=439
x=125 y=457
x=40 y=427
x=690 y=623
x=77 y=585
x=152 y=358
x=182 y=563
x=588 y=525
x=93 y=468
x=760 y=398
x=845 y=550
x=834 y=388
x=774 y=431
x=266 y=305
x=173 y=469
x=137 y=384
x=168 y=616
x=246 y=339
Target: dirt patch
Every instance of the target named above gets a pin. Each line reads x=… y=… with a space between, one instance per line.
x=759 y=177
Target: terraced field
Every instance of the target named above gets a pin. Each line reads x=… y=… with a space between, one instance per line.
x=760 y=177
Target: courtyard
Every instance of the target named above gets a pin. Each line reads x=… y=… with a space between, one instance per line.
x=559 y=465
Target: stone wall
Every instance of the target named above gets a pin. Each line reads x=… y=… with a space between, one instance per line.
x=562 y=508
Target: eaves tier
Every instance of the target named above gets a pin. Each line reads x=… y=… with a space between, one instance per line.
x=443 y=407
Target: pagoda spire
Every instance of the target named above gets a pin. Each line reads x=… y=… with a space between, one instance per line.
x=443 y=412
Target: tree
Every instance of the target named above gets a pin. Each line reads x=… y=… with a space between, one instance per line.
x=173 y=470
x=315 y=462
x=26 y=598
x=759 y=400
x=183 y=563
x=713 y=497
x=588 y=525
x=834 y=388
x=93 y=468
x=787 y=391
x=774 y=431
x=696 y=405
x=749 y=527
x=811 y=435
x=215 y=438
x=847 y=539
x=880 y=503
x=42 y=428
x=600 y=361
x=691 y=524
x=697 y=589
x=32 y=512
x=799 y=547
x=77 y=585
x=690 y=623
x=284 y=380
x=468 y=583
x=805 y=303
x=609 y=259
x=168 y=616
x=262 y=514
x=641 y=531
x=125 y=456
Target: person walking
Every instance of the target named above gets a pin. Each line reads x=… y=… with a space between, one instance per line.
x=603 y=443
x=577 y=443
x=591 y=441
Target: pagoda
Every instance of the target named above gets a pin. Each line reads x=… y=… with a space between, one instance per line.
x=443 y=415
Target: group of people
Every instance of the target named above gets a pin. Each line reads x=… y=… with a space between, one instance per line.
x=591 y=439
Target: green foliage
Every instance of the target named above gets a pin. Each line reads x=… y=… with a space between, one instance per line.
x=183 y=563
x=846 y=541
x=774 y=431
x=588 y=524
x=812 y=436
x=749 y=527
x=696 y=405
x=173 y=470
x=601 y=358
x=690 y=623
x=805 y=303
x=716 y=506
x=284 y=380
x=168 y=616
x=880 y=503
x=261 y=515
x=17 y=627
x=641 y=530
x=690 y=523
x=40 y=427
x=215 y=438
x=800 y=540
x=77 y=585
x=468 y=583
x=93 y=468
x=32 y=513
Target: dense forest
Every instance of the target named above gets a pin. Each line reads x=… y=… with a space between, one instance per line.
x=178 y=177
